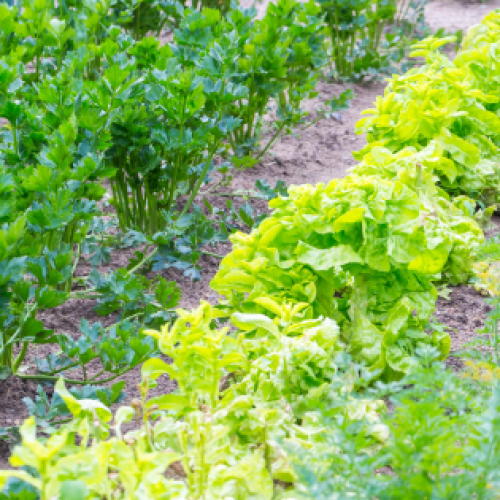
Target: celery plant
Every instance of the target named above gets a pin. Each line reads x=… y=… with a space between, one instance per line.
x=356 y=30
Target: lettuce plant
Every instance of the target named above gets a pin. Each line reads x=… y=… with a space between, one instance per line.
x=479 y=55
x=191 y=444
x=363 y=251
x=419 y=170
x=439 y=102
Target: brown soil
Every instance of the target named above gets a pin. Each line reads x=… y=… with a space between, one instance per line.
x=457 y=15
x=317 y=155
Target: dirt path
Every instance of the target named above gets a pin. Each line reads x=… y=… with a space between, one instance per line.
x=319 y=154
x=457 y=15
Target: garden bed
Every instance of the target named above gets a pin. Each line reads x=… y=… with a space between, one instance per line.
x=319 y=154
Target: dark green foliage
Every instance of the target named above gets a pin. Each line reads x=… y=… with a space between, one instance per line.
x=370 y=37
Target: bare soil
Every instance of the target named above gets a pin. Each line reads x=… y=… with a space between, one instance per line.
x=317 y=155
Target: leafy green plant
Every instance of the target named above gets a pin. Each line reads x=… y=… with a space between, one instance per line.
x=8 y=37
x=407 y=26
x=356 y=32
x=51 y=411
x=282 y=59
x=118 y=348
x=278 y=60
x=180 y=156
x=52 y=146
x=440 y=103
x=417 y=170
x=410 y=16
x=438 y=446
x=200 y=435
x=223 y=6
x=139 y=17
x=200 y=99
x=347 y=262
x=55 y=182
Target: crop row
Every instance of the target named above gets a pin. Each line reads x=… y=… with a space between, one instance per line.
x=329 y=294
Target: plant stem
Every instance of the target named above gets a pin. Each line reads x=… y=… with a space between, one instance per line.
x=152 y=208
x=68 y=380
x=128 y=318
x=7 y=355
x=137 y=23
x=12 y=339
x=143 y=261
x=49 y=378
x=119 y=203
x=96 y=376
x=240 y=195
x=43 y=469
x=194 y=192
x=14 y=137
x=380 y=30
x=215 y=384
x=202 y=466
x=20 y=357
x=336 y=41
x=271 y=141
x=216 y=255
x=84 y=294
x=267 y=450
x=124 y=188
x=179 y=159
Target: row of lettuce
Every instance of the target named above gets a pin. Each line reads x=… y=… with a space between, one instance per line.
x=341 y=270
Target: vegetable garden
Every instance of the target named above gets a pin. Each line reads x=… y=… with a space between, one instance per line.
x=320 y=370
